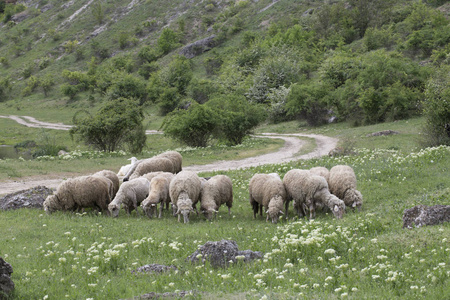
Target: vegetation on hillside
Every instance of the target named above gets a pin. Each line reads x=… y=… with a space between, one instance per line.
x=359 y=60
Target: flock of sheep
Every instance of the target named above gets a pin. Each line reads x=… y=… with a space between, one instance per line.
x=161 y=181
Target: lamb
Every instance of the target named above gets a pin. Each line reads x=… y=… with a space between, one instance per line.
x=153 y=164
x=124 y=169
x=308 y=190
x=267 y=190
x=80 y=192
x=184 y=191
x=321 y=171
x=342 y=183
x=159 y=193
x=114 y=179
x=130 y=194
x=216 y=191
x=176 y=159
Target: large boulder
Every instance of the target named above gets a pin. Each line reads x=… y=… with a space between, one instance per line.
x=154 y=268
x=30 y=198
x=198 y=47
x=6 y=284
x=221 y=253
x=422 y=215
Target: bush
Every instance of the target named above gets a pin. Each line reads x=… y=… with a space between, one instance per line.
x=5 y=87
x=308 y=101
x=168 y=40
x=126 y=85
x=116 y=125
x=201 y=90
x=148 y=54
x=32 y=84
x=146 y=69
x=193 y=127
x=436 y=108
x=237 y=117
x=46 y=83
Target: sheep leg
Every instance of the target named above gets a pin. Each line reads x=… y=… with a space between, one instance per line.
x=312 y=211
x=179 y=218
x=286 y=207
x=160 y=210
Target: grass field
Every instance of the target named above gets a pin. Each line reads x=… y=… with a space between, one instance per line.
x=365 y=255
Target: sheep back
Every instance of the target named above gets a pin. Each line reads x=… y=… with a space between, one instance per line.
x=321 y=171
x=176 y=159
x=342 y=183
x=114 y=179
x=154 y=164
x=265 y=188
x=130 y=195
x=216 y=191
x=295 y=182
x=159 y=193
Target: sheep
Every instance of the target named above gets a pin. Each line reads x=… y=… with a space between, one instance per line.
x=159 y=193
x=153 y=164
x=321 y=171
x=308 y=190
x=80 y=192
x=176 y=159
x=184 y=191
x=152 y=175
x=216 y=191
x=124 y=169
x=268 y=191
x=342 y=183
x=130 y=194
x=114 y=179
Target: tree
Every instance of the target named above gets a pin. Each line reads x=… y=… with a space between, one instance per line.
x=168 y=40
x=237 y=117
x=116 y=125
x=193 y=127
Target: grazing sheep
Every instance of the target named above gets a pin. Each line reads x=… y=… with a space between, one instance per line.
x=130 y=194
x=321 y=171
x=216 y=191
x=267 y=190
x=176 y=159
x=308 y=190
x=184 y=191
x=153 y=164
x=159 y=193
x=124 y=169
x=152 y=175
x=342 y=183
x=111 y=176
x=80 y=192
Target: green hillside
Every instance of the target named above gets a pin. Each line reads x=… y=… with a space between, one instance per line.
x=359 y=61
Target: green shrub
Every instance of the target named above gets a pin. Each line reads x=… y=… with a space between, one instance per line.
x=32 y=84
x=116 y=125
x=126 y=85
x=71 y=46
x=46 y=83
x=4 y=61
x=193 y=127
x=237 y=117
x=201 y=89
x=27 y=70
x=168 y=40
x=148 y=54
x=148 y=68
x=5 y=87
x=436 y=108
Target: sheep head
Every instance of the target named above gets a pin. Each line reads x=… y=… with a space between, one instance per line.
x=184 y=207
x=275 y=208
x=209 y=213
x=353 y=198
x=337 y=206
x=114 y=209
x=149 y=209
x=51 y=204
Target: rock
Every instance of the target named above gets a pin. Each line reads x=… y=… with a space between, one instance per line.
x=221 y=253
x=422 y=215
x=30 y=198
x=62 y=152
x=198 y=47
x=384 y=132
x=308 y=12
x=17 y=18
x=46 y=7
x=154 y=268
x=6 y=284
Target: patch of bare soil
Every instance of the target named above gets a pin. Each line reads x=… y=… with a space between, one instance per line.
x=287 y=153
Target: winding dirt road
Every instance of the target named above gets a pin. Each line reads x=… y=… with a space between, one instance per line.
x=287 y=153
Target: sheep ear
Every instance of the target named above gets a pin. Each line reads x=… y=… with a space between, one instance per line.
x=281 y=212
x=336 y=208
x=267 y=211
x=354 y=204
x=153 y=205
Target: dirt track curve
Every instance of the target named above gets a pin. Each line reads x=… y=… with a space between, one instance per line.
x=287 y=153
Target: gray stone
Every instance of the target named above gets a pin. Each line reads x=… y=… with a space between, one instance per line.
x=30 y=198
x=198 y=47
x=6 y=284
x=422 y=215
x=154 y=268
x=383 y=132
x=221 y=253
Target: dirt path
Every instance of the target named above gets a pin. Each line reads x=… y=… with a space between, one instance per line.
x=287 y=153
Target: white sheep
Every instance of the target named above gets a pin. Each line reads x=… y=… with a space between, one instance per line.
x=176 y=159
x=80 y=192
x=321 y=171
x=124 y=169
x=159 y=193
x=130 y=195
x=307 y=191
x=152 y=175
x=184 y=191
x=216 y=191
x=114 y=179
x=153 y=164
x=342 y=183
x=267 y=191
